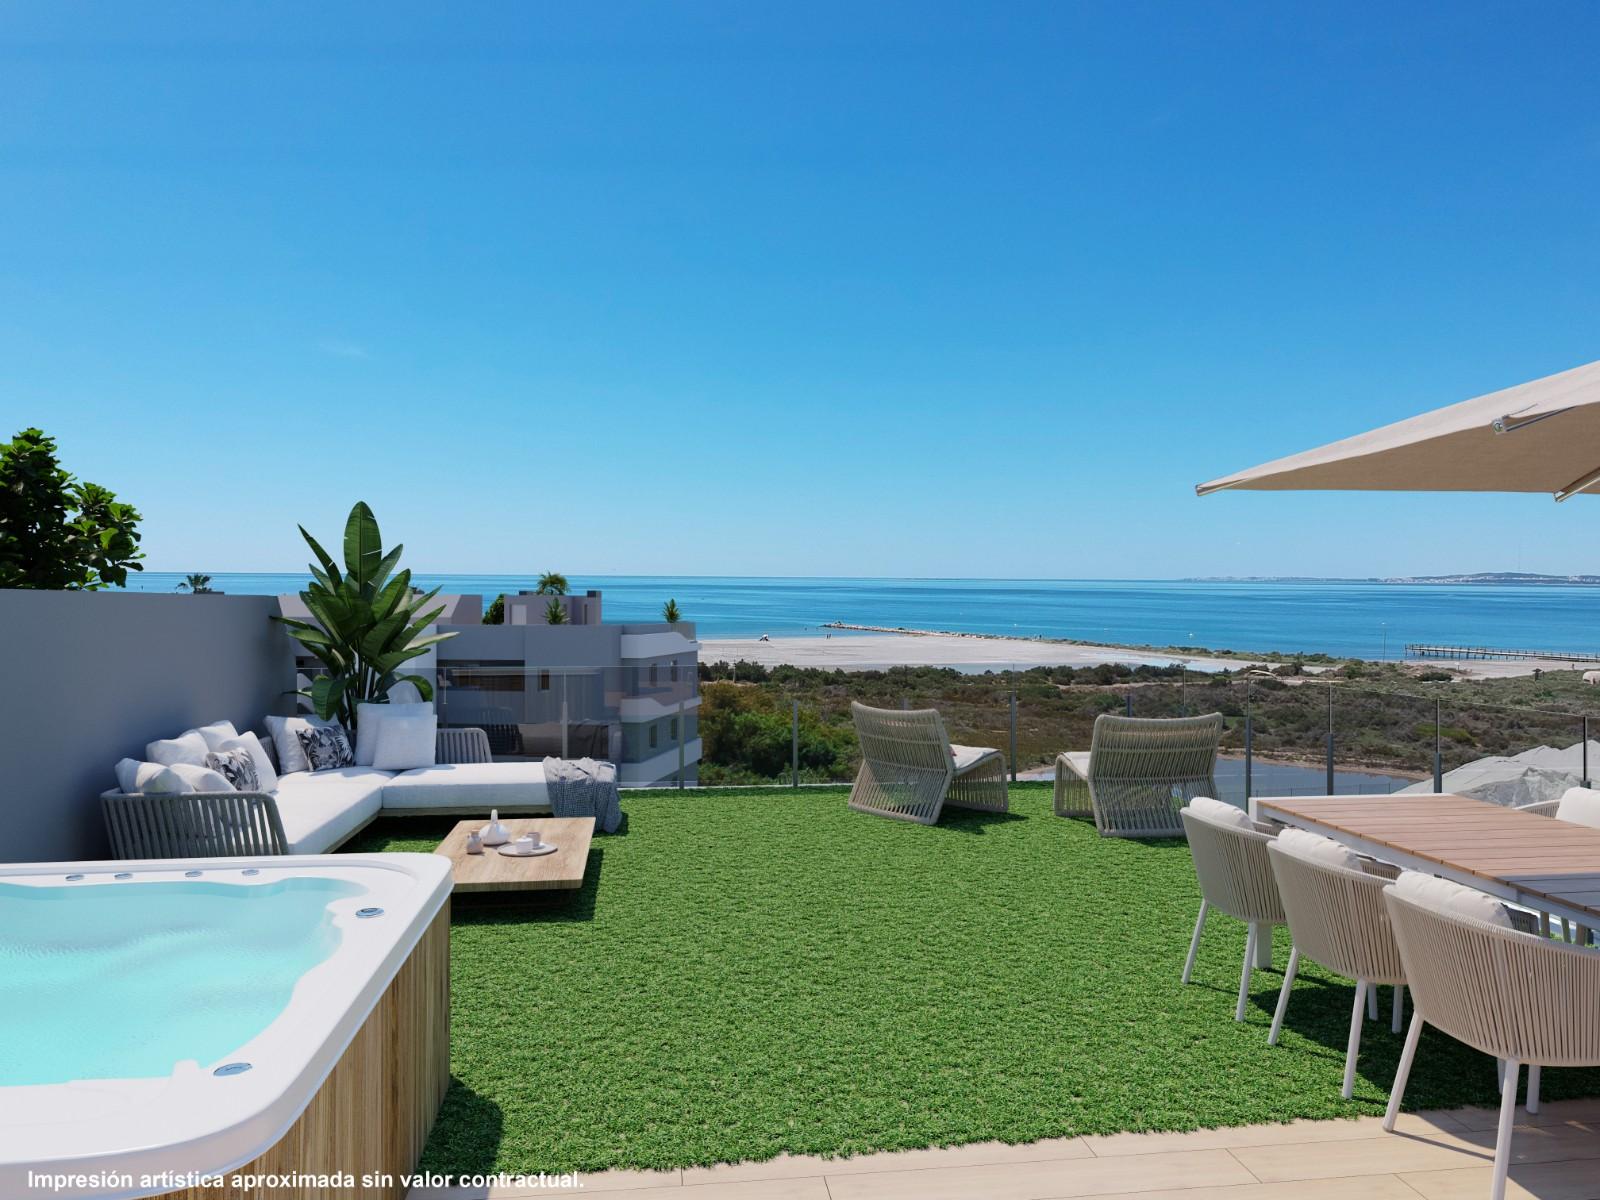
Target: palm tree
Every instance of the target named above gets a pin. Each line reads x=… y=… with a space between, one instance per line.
x=555 y=612
x=551 y=583
x=198 y=584
x=670 y=613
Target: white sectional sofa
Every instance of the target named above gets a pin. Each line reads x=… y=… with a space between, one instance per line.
x=312 y=812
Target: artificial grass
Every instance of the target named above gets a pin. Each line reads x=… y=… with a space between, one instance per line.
x=746 y=973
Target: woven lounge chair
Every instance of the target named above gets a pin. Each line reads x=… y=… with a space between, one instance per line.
x=230 y=824
x=909 y=769
x=1138 y=772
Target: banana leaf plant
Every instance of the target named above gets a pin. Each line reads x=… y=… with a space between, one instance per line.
x=368 y=621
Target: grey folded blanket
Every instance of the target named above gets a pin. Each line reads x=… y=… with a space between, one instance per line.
x=583 y=787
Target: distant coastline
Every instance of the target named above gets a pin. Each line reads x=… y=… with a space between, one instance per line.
x=1496 y=578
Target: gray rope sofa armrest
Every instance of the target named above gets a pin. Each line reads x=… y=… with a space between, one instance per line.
x=466 y=745
x=193 y=825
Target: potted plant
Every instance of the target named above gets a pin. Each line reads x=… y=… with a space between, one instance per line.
x=368 y=621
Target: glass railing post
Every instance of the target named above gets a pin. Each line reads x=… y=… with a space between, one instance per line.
x=682 y=732
x=1127 y=701
x=794 y=741
x=1013 y=735
x=1585 y=751
x=1438 y=746
x=1249 y=744
x=1330 y=739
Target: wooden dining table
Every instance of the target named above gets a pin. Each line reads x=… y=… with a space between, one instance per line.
x=1536 y=862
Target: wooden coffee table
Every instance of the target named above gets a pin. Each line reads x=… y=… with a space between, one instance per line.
x=492 y=871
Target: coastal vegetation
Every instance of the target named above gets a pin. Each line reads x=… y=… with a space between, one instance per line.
x=1383 y=716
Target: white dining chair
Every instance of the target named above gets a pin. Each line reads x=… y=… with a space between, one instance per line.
x=1334 y=901
x=1521 y=997
x=1230 y=861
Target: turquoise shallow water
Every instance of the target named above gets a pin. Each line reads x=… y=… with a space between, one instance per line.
x=124 y=981
x=1343 y=618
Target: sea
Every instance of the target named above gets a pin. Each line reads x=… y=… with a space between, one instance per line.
x=1354 y=619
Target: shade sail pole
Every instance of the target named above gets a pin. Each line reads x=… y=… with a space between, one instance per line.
x=1578 y=486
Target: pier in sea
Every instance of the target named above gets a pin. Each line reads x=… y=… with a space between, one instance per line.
x=1429 y=650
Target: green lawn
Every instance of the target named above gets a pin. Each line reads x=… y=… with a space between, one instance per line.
x=752 y=972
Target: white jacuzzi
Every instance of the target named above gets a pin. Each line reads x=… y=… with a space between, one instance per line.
x=163 y=1021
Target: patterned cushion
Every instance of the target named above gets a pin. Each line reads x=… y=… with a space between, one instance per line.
x=326 y=748
x=238 y=767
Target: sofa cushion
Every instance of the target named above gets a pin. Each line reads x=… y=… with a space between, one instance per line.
x=237 y=767
x=1580 y=806
x=406 y=743
x=1314 y=848
x=199 y=778
x=135 y=777
x=216 y=733
x=370 y=719
x=1448 y=896
x=1220 y=812
x=478 y=787
x=266 y=774
x=320 y=809
x=284 y=732
x=188 y=747
x=966 y=757
x=326 y=748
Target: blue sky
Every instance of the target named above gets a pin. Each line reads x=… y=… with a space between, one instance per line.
x=889 y=289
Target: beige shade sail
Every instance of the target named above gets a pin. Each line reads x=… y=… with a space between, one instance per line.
x=1542 y=436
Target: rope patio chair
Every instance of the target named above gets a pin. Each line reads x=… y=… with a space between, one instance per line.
x=229 y=824
x=909 y=769
x=1337 y=918
x=1576 y=806
x=1518 y=996
x=1138 y=772
x=1230 y=861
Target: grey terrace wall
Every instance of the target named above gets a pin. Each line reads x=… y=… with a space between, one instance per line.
x=90 y=677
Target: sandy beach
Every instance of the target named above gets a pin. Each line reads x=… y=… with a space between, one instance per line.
x=877 y=651
x=977 y=652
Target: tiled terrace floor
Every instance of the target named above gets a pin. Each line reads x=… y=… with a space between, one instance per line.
x=1439 y=1156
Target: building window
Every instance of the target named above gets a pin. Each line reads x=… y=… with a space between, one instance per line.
x=652 y=674
x=674 y=670
x=544 y=681
x=672 y=730
x=652 y=737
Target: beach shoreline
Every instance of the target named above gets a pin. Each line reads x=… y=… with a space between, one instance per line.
x=880 y=648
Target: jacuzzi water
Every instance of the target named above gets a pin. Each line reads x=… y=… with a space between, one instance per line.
x=125 y=982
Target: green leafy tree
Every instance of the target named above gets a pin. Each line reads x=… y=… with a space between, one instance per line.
x=670 y=613
x=495 y=614
x=57 y=532
x=551 y=583
x=368 y=621
x=555 y=613
x=199 y=585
